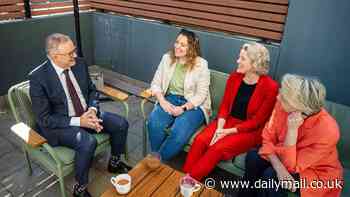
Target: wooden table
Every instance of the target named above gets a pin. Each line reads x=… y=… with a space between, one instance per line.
x=162 y=182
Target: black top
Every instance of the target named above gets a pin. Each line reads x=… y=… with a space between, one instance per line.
x=240 y=105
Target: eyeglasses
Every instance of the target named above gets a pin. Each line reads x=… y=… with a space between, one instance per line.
x=70 y=54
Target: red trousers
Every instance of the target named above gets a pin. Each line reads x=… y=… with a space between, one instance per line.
x=202 y=158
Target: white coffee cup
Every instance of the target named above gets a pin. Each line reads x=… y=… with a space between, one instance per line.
x=188 y=186
x=121 y=188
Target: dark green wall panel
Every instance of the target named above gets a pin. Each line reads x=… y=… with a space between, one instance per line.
x=134 y=47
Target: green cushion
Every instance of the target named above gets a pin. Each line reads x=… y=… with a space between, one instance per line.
x=342 y=114
x=47 y=162
x=291 y=194
x=214 y=113
x=217 y=88
x=228 y=166
x=239 y=161
x=101 y=138
x=66 y=155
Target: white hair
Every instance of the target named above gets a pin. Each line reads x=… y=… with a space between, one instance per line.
x=53 y=42
x=303 y=93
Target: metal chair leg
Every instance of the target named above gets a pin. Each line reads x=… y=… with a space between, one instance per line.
x=126 y=106
x=144 y=135
x=30 y=169
x=126 y=154
x=126 y=114
x=62 y=188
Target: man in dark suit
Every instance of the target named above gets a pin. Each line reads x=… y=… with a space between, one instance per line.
x=64 y=101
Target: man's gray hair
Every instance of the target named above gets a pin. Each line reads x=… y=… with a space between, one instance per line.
x=306 y=94
x=53 y=42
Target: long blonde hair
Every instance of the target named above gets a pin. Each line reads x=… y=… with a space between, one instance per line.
x=193 y=49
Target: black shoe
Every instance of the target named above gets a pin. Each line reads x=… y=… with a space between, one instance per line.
x=118 y=167
x=79 y=191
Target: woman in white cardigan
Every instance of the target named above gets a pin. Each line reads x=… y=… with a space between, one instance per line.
x=181 y=86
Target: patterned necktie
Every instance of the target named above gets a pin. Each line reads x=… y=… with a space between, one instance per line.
x=78 y=107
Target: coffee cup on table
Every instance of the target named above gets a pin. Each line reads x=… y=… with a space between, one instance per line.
x=153 y=160
x=188 y=186
x=122 y=183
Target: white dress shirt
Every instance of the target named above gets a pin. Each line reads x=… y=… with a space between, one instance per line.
x=74 y=121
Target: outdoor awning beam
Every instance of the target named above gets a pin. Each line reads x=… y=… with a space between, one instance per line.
x=77 y=28
x=27 y=11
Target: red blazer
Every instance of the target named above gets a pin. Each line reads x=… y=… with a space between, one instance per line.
x=260 y=105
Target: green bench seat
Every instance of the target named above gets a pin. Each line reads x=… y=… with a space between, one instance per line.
x=237 y=165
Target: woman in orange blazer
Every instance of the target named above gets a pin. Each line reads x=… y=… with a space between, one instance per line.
x=299 y=144
x=247 y=104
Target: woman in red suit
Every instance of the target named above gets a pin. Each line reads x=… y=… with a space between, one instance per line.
x=247 y=104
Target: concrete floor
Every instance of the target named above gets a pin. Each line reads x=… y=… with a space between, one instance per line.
x=15 y=181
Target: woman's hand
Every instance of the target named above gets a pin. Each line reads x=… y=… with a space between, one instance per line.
x=220 y=125
x=167 y=106
x=228 y=131
x=285 y=178
x=221 y=133
x=295 y=120
x=216 y=136
x=187 y=106
x=177 y=111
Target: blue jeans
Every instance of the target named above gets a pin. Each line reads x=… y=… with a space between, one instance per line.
x=181 y=127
